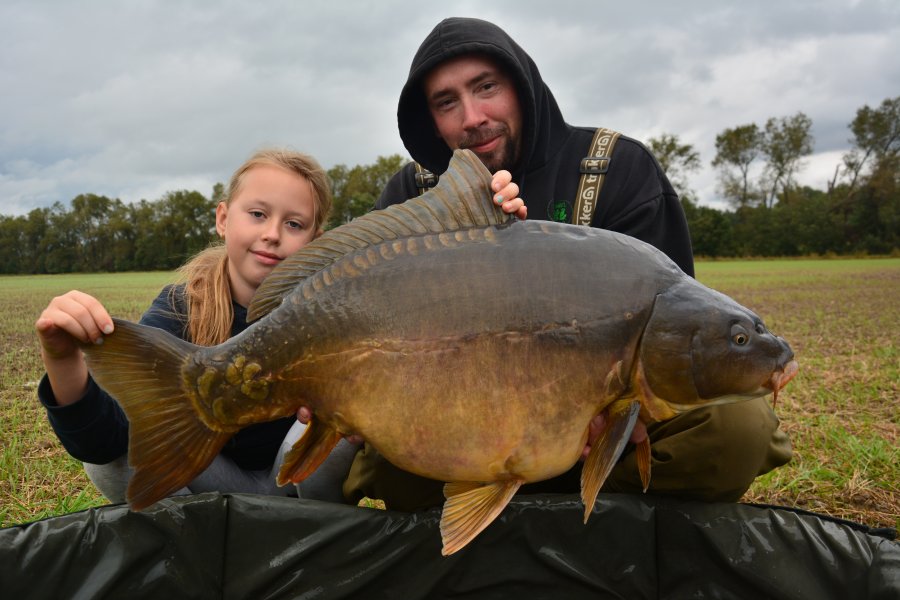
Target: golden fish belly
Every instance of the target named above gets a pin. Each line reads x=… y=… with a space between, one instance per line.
x=457 y=410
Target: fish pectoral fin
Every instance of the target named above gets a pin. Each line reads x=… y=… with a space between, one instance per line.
x=622 y=415
x=470 y=507
x=308 y=452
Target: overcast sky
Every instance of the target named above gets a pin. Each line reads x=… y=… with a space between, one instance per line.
x=133 y=99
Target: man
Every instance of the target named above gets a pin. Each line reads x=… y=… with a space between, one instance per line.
x=471 y=86
x=511 y=120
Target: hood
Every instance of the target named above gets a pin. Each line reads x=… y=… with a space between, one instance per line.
x=542 y=123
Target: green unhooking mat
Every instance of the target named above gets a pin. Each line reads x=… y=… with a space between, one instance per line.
x=633 y=547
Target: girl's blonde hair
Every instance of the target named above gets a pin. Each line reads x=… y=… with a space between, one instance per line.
x=205 y=276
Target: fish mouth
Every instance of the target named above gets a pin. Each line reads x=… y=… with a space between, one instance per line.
x=781 y=378
x=729 y=399
x=774 y=384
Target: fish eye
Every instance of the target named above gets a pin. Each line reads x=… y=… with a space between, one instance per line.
x=739 y=335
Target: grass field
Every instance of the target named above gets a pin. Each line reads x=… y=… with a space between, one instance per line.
x=841 y=411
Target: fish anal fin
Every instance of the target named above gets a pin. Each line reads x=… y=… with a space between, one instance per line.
x=605 y=451
x=470 y=507
x=308 y=452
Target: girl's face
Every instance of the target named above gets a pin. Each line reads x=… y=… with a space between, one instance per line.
x=271 y=217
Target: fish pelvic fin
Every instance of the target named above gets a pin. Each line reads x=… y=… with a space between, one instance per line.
x=168 y=442
x=606 y=450
x=642 y=455
x=307 y=453
x=462 y=199
x=470 y=507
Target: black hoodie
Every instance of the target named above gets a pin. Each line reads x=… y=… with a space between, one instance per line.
x=637 y=198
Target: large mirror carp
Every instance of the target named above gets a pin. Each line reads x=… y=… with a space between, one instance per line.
x=464 y=345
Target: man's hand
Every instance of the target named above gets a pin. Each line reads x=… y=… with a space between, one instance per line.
x=506 y=194
x=598 y=424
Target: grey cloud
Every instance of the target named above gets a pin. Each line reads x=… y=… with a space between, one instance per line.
x=135 y=99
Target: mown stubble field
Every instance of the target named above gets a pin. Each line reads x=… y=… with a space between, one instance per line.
x=840 y=317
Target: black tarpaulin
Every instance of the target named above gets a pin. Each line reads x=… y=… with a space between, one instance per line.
x=633 y=547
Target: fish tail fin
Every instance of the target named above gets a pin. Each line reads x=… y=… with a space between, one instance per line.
x=606 y=450
x=168 y=442
x=470 y=507
x=313 y=447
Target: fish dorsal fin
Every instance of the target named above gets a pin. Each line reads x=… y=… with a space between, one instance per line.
x=470 y=507
x=461 y=200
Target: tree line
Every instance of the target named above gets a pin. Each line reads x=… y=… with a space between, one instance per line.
x=769 y=214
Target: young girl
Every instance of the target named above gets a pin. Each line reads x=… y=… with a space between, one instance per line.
x=276 y=203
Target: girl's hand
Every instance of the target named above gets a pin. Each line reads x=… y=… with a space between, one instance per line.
x=69 y=319
x=506 y=194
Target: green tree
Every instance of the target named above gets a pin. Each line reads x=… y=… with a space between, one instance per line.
x=35 y=228
x=89 y=217
x=340 y=209
x=184 y=224
x=218 y=194
x=711 y=230
x=873 y=221
x=757 y=232
x=785 y=142
x=356 y=189
x=737 y=148
x=148 y=248
x=123 y=235
x=60 y=239
x=678 y=161
x=808 y=225
x=11 y=244
x=876 y=139
x=867 y=200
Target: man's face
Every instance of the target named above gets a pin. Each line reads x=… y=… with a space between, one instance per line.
x=474 y=105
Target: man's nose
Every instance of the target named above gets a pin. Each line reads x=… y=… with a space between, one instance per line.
x=473 y=115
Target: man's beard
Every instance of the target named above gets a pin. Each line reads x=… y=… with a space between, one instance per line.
x=503 y=156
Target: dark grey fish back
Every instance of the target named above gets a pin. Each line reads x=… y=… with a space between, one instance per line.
x=461 y=200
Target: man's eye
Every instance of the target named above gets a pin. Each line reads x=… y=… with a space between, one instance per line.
x=488 y=87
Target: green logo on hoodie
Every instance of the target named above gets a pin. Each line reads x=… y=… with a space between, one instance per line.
x=558 y=211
